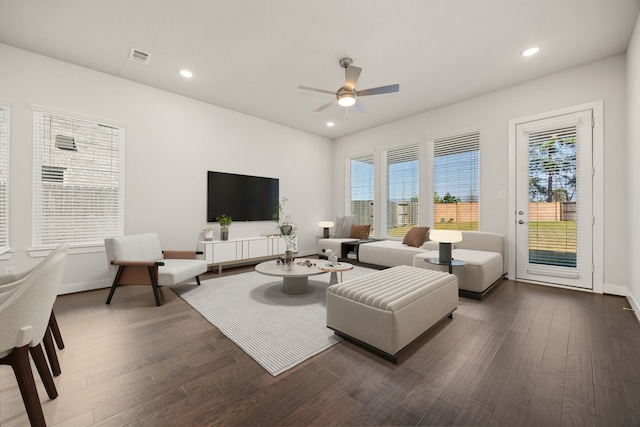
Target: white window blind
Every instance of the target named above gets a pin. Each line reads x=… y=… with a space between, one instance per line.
x=402 y=183
x=553 y=202
x=4 y=175
x=456 y=175
x=361 y=173
x=78 y=190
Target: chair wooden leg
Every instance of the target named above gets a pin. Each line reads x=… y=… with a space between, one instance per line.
x=18 y=359
x=154 y=285
x=198 y=280
x=43 y=369
x=55 y=330
x=115 y=284
x=50 y=349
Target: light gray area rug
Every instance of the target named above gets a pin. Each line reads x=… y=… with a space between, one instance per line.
x=277 y=330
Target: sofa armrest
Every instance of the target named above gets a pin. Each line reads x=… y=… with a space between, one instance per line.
x=138 y=263
x=181 y=254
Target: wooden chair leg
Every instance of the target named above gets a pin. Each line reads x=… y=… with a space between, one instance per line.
x=114 y=285
x=18 y=359
x=154 y=285
x=50 y=349
x=55 y=330
x=43 y=369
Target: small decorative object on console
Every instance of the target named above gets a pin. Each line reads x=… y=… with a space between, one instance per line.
x=224 y=221
x=208 y=234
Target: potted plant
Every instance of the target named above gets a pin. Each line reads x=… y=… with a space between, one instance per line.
x=285 y=226
x=224 y=221
x=208 y=234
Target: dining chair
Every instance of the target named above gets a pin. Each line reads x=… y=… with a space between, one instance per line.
x=25 y=311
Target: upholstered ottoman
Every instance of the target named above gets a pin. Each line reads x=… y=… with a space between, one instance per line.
x=385 y=311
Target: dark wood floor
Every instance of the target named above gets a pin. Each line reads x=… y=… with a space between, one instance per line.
x=525 y=356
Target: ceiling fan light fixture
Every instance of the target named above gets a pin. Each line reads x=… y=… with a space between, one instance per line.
x=346 y=99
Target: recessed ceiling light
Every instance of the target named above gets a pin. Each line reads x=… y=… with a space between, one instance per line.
x=186 y=73
x=330 y=124
x=531 y=51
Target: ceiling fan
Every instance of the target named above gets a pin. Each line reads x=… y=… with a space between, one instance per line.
x=347 y=94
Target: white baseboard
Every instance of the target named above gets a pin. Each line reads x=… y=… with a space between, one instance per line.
x=83 y=286
x=615 y=290
x=634 y=305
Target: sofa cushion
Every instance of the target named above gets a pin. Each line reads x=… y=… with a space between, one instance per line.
x=360 y=232
x=416 y=236
x=387 y=253
x=482 y=270
x=343 y=226
x=177 y=270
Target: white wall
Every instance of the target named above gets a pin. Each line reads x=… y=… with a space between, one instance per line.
x=171 y=142
x=603 y=80
x=633 y=160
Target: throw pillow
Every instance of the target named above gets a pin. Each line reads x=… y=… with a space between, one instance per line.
x=360 y=232
x=416 y=236
x=343 y=226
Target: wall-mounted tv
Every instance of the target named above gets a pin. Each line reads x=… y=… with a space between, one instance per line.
x=242 y=197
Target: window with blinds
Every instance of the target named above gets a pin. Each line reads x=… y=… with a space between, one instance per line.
x=78 y=190
x=553 y=204
x=361 y=173
x=456 y=178
x=4 y=175
x=402 y=182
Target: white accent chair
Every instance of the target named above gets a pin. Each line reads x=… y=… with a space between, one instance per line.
x=25 y=311
x=138 y=259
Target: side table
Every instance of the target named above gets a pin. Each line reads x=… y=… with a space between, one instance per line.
x=353 y=246
x=453 y=263
x=334 y=269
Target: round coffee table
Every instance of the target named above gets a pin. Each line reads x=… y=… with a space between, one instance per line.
x=334 y=269
x=294 y=281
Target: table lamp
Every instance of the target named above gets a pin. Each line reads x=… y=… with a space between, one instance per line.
x=326 y=225
x=445 y=238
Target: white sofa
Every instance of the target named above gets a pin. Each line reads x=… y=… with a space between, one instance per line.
x=484 y=254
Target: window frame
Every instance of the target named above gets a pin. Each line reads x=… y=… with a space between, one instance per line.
x=5 y=146
x=116 y=145
x=348 y=191
x=473 y=135
x=407 y=150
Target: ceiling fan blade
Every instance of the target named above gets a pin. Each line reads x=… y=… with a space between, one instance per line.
x=313 y=89
x=379 y=90
x=324 y=107
x=351 y=75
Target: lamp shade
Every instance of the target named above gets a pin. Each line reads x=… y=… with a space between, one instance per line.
x=445 y=236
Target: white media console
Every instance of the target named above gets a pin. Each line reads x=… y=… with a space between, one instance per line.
x=219 y=253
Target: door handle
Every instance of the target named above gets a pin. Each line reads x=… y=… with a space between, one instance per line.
x=521 y=221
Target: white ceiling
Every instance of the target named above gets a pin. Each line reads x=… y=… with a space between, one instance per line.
x=250 y=55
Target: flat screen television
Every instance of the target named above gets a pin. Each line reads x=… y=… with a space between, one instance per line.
x=242 y=197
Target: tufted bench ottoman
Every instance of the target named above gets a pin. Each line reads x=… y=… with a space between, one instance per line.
x=385 y=311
